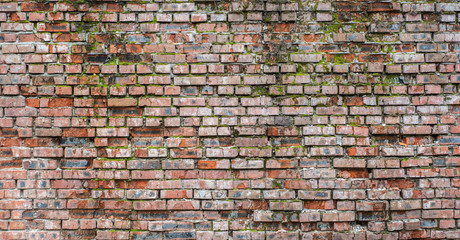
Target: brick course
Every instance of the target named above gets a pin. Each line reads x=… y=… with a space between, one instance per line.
x=234 y=119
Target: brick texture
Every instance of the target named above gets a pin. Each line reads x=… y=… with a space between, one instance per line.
x=233 y=119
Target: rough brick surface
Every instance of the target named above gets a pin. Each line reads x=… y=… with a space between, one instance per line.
x=234 y=119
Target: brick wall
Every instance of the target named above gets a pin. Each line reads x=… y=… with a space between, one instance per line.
x=242 y=119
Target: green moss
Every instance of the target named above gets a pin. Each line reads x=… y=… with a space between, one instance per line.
x=260 y=91
x=277 y=184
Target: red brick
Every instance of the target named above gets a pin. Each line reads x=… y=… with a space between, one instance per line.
x=235 y=130
x=35 y=7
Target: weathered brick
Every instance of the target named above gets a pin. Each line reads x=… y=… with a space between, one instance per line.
x=349 y=37
x=306 y=57
x=408 y=58
x=48 y=152
x=349 y=163
x=404 y=205
x=161 y=120
x=384 y=6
